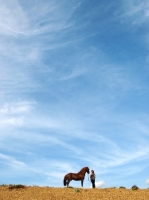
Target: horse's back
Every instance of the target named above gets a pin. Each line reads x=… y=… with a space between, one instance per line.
x=68 y=175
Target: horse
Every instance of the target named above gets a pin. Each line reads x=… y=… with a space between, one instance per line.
x=76 y=176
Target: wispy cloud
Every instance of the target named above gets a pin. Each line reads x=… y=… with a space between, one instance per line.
x=25 y=32
x=12 y=114
x=75 y=73
x=27 y=20
x=12 y=162
x=137 y=12
x=116 y=77
x=16 y=108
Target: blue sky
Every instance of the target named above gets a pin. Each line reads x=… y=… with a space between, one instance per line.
x=74 y=91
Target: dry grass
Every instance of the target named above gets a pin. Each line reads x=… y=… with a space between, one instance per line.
x=47 y=193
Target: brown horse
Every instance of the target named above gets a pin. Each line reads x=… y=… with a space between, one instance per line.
x=76 y=176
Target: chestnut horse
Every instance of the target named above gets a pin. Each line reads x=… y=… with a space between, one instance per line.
x=76 y=176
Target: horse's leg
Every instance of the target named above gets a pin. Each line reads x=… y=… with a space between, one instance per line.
x=68 y=181
x=82 y=183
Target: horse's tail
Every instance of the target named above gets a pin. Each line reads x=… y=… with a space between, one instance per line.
x=64 y=181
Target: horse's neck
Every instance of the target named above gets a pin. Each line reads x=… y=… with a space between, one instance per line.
x=82 y=172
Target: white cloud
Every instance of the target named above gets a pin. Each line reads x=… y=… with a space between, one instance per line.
x=147 y=181
x=99 y=184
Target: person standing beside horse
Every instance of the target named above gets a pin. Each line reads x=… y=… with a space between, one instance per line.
x=92 y=178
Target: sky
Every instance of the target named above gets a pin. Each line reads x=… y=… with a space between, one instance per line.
x=74 y=91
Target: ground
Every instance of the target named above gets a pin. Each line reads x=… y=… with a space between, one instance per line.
x=50 y=193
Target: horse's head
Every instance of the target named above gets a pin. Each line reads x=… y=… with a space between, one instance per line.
x=87 y=170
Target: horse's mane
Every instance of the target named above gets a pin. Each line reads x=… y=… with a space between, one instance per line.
x=82 y=169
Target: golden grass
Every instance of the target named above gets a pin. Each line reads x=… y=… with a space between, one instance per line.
x=48 y=193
